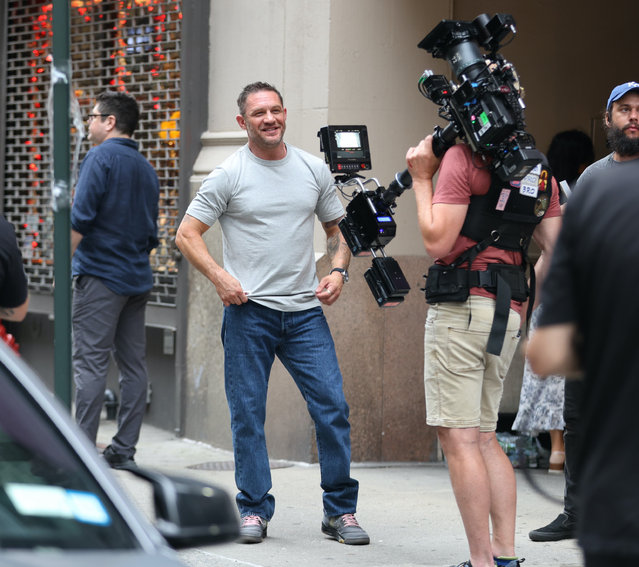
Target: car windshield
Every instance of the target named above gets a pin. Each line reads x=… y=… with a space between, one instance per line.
x=48 y=497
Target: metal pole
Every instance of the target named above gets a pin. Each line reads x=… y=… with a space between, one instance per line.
x=61 y=201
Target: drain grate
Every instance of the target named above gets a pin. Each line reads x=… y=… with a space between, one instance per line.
x=230 y=465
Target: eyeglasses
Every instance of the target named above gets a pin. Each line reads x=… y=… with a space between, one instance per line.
x=92 y=116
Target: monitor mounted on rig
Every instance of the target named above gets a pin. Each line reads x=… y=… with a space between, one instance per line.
x=346 y=148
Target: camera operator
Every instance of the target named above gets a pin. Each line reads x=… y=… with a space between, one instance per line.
x=463 y=376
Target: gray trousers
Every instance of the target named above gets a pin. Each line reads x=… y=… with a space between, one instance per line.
x=106 y=323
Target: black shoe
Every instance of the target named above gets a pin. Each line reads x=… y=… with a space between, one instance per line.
x=345 y=529
x=253 y=529
x=117 y=460
x=464 y=564
x=562 y=527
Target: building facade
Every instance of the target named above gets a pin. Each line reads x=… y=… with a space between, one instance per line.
x=336 y=62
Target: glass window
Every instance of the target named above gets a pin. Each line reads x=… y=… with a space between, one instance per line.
x=48 y=498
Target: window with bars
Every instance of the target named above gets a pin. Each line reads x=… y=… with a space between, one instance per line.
x=128 y=45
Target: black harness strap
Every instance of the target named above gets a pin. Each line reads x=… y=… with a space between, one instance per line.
x=500 y=318
x=531 y=296
x=503 y=295
x=495 y=281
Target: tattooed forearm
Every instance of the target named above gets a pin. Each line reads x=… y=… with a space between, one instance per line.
x=332 y=246
x=338 y=251
x=6 y=312
x=336 y=248
x=15 y=313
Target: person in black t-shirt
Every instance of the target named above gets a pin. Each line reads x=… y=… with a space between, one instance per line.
x=591 y=308
x=14 y=293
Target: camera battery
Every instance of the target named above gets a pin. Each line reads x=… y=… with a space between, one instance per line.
x=387 y=282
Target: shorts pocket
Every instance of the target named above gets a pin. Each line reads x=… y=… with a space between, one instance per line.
x=465 y=349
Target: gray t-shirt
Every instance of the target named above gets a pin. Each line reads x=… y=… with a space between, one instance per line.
x=600 y=165
x=266 y=211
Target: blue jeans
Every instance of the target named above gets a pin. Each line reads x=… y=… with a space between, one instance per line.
x=252 y=335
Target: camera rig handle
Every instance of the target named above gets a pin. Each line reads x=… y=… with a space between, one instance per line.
x=397 y=186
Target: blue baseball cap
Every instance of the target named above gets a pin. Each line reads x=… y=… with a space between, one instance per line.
x=621 y=90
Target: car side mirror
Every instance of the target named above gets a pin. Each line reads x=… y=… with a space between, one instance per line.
x=189 y=512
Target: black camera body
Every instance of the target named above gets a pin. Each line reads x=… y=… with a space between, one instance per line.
x=485 y=108
x=369 y=224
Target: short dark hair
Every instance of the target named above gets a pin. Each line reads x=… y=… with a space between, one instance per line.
x=568 y=151
x=123 y=106
x=254 y=88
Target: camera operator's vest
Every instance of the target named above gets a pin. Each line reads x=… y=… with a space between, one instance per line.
x=505 y=217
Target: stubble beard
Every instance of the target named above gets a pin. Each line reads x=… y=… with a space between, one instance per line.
x=260 y=139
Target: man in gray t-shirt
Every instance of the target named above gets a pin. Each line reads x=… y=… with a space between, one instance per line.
x=265 y=197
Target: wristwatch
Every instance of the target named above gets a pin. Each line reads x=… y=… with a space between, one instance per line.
x=341 y=271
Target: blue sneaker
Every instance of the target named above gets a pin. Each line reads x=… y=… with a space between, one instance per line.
x=502 y=561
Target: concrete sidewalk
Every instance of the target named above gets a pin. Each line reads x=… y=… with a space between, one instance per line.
x=408 y=510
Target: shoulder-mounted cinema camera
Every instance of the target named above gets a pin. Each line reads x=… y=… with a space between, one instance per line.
x=485 y=108
x=368 y=225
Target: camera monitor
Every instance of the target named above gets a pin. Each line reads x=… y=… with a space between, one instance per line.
x=346 y=148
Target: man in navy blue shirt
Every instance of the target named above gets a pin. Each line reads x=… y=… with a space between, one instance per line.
x=114 y=228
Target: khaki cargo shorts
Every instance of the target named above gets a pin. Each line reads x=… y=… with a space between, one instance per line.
x=463 y=383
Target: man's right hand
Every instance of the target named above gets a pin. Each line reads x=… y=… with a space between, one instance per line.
x=230 y=289
x=422 y=162
x=189 y=239
x=441 y=223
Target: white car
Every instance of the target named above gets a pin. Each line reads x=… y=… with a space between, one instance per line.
x=60 y=505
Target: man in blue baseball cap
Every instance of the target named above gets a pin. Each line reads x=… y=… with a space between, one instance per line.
x=622 y=122
x=620 y=90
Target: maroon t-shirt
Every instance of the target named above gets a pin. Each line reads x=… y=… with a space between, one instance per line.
x=461 y=176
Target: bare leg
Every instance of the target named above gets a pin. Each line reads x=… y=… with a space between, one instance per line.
x=557 y=450
x=503 y=495
x=556 y=440
x=472 y=487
